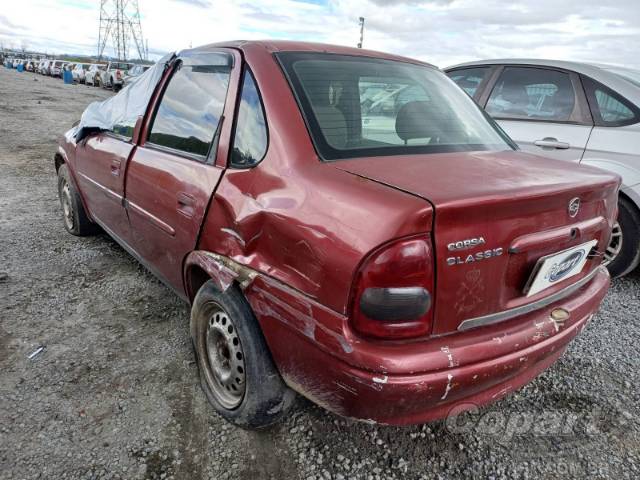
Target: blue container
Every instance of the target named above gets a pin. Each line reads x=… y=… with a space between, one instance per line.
x=67 y=76
x=20 y=68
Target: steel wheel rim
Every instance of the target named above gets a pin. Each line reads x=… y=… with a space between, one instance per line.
x=226 y=371
x=615 y=245
x=67 y=206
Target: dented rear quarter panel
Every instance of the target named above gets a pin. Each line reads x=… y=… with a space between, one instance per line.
x=297 y=219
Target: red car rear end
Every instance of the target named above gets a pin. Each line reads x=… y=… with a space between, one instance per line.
x=347 y=224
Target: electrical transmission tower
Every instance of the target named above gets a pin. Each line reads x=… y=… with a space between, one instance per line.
x=120 y=24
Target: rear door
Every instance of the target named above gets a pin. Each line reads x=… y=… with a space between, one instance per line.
x=613 y=144
x=544 y=110
x=181 y=158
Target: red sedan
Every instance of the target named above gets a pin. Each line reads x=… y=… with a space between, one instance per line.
x=346 y=224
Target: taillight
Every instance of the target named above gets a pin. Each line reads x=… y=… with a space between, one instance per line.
x=118 y=74
x=392 y=295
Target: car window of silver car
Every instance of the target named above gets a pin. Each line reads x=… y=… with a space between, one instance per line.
x=609 y=109
x=469 y=79
x=532 y=93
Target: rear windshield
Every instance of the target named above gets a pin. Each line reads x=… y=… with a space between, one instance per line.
x=360 y=106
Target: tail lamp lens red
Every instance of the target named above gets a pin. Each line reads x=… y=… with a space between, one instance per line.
x=393 y=291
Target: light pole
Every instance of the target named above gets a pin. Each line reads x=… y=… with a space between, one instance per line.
x=361 y=32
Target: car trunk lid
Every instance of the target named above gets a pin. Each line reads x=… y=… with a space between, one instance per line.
x=496 y=215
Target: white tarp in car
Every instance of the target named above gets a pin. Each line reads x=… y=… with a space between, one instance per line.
x=120 y=112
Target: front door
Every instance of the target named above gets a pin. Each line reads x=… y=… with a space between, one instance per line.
x=101 y=164
x=173 y=173
x=543 y=110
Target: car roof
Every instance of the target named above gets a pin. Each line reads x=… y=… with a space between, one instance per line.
x=598 y=71
x=274 y=46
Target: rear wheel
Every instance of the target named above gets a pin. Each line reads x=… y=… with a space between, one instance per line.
x=623 y=252
x=237 y=372
x=74 y=216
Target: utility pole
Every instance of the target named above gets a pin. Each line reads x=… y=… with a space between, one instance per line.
x=361 y=32
x=119 y=23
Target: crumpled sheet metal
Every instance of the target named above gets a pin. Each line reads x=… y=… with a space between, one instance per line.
x=125 y=107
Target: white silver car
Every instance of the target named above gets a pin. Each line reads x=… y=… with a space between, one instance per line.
x=114 y=76
x=55 y=68
x=578 y=112
x=79 y=71
x=93 y=75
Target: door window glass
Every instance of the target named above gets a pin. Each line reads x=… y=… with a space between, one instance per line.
x=189 y=112
x=611 y=109
x=469 y=79
x=607 y=107
x=250 y=141
x=532 y=93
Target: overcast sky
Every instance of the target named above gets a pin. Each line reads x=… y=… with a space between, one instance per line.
x=443 y=32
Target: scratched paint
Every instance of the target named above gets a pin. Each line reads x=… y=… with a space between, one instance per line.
x=450 y=359
x=448 y=388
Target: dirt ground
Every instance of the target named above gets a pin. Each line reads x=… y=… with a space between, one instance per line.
x=114 y=393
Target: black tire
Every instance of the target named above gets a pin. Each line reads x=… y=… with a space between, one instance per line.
x=236 y=370
x=74 y=217
x=628 y=257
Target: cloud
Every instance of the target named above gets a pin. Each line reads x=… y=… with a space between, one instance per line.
x=386 y=3
x=196 y=3
x=443 y=32
x=4 y=22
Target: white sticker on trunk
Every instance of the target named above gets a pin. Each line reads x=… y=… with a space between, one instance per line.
x=557 y=267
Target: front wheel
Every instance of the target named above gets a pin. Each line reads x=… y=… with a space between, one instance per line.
x=236 y=370
x=74 y=216
x=623 y=252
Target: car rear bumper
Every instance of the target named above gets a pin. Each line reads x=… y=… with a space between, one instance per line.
x=408 y=383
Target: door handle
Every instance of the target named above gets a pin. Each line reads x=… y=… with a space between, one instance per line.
x=551 y=143
x=185 y=204
x=115 y=167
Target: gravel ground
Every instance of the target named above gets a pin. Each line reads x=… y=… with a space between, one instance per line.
x=114 y=394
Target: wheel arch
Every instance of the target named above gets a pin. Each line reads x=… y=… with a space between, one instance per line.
x=201 y=266
x=631 y=196
x=60 y=158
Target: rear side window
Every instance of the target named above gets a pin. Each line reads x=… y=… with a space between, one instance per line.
x=469 y=79
x=189 y=113
x=607 y=107
x=532 y=93
x=250 y=141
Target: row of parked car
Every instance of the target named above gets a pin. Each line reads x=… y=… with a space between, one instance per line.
x=113 y=75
